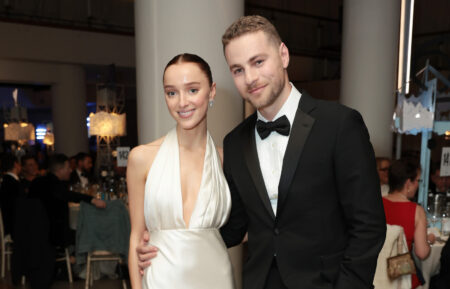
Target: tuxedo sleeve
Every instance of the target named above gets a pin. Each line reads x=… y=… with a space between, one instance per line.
x=234 y=230
x=62 y=193
x=360 y=198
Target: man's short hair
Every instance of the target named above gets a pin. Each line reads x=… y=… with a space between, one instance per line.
x=7 y=162
x=250 y=24
x=81 y=156
x=25 y=158
x=56 y=162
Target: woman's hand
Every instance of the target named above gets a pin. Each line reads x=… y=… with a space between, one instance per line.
x=431 y=238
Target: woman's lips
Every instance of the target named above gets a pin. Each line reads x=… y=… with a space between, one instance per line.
x=186 y=113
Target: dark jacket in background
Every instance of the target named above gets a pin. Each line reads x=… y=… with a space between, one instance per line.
x=55 y=197
x=74 y=178
x=11 y=190
x=33 y=255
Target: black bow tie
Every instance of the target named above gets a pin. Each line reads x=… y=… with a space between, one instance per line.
x=280 y=125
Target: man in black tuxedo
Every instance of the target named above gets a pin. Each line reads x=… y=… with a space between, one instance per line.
x=11 y=190
x=53 y=192
x=302 y=176
x=82 y=173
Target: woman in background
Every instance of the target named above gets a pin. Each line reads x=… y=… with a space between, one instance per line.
x=403 y=183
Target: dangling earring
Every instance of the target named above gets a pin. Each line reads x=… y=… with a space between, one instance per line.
x=211 y=102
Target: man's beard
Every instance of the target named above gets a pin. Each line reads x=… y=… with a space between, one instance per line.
x=273 y=96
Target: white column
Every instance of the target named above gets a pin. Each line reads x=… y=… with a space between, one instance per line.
x=69 y=110
x=166 y=28
x=369 y=65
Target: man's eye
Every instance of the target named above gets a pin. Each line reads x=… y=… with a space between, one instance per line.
x=193 y=90
x=259 y=62
x=237 y=71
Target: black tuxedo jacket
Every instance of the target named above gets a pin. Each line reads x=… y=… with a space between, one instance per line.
x=55 y=197
x=11 y=191
x=74 y=178
x=330 y=223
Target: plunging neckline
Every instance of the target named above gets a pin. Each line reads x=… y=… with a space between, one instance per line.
x=180 y=192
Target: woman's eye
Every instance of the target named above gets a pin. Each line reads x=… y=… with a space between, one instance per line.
x=193 y=90
x=170 y=93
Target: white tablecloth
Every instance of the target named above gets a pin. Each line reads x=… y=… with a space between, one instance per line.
x=74 y=208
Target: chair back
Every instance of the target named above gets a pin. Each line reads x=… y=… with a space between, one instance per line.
x=394 y=244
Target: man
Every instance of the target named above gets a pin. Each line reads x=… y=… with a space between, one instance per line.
x=82 y=173
x=438 y=184
x=11 y=190
x=383 y=165
x=302 y=176
x=55 y=196
x=30 y=170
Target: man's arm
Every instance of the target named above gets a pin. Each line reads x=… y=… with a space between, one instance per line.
x=64 y=194
x=234 y=230
x=360 y=198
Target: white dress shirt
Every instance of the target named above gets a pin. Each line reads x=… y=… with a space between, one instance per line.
x=271 y=150
x=16 y=177
x=84 y=181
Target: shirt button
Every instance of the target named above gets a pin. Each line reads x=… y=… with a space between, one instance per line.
x=273 y=145
x=276 y=232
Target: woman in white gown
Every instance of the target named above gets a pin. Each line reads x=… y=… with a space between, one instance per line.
x=177 y=190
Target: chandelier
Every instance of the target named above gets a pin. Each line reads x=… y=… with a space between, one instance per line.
x=16 y=125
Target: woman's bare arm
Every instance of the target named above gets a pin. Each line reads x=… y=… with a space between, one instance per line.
x=421 y=246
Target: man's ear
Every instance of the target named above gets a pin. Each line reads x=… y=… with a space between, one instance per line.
x=284 y=54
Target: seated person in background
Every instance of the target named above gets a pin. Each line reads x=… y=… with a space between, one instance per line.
x=10 y=191
x=438 y=184
x=73 y=162
x=403 y=182
x=55 y=196
x=82 y=173
x=30 y=170
x=382 y=168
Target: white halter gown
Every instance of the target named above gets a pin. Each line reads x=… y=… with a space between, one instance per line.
x=194 y=257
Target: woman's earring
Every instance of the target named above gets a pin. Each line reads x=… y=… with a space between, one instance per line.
x=211 y=102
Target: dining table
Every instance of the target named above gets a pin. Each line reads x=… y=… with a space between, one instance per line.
x=430 y=266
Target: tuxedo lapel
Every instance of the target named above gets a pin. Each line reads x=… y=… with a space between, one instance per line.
x=252 y=160
x=301 y=128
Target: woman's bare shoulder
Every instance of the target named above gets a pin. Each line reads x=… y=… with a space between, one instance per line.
x=146 y=153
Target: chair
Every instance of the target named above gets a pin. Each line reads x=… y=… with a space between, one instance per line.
x=66 y=258
x=102 y=235
x=6 y=244
x=102 y=256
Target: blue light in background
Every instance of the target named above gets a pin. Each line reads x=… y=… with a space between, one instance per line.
x=40 y=131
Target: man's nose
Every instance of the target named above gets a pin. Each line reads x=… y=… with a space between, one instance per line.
x=251 y=75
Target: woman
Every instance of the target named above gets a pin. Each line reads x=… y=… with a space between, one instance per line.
x=403 y=183
x=177 y=190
